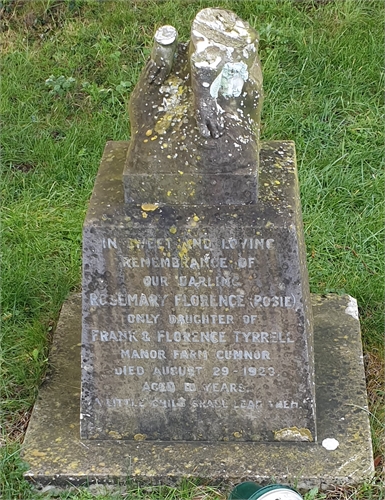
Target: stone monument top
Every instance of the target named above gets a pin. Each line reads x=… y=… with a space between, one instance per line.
x=195 y=116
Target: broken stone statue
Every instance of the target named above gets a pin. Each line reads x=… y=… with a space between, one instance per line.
x=196 y=110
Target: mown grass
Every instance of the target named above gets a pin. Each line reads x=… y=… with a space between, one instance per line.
x=323 y=89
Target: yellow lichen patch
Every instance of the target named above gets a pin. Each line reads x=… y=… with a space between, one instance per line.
x=293 y=434
x=175 y=106
x=133 y=243
x=172 y=229
x=114 y=435
x=144 y=215
x=180 y=172
x=277 y=183
x=149 y=132
x=196 y=218
x=169 y=157
x=153 y=138
x=145 y=140
x=137 y=471
x=163 y=124
x=149 y=207
x=237 y=434
x=169 y=193
x=183 y=251
x=184 y=247
x=37 y=453
x=140 y=437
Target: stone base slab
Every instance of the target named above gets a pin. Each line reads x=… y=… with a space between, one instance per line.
x=56 y=455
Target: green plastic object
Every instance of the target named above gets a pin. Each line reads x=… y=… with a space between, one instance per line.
x=252 y=491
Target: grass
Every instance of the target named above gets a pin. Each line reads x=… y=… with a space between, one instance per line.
x=68 y=69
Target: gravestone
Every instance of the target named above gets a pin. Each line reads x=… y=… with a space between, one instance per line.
x=202 y=352
x=197 y=322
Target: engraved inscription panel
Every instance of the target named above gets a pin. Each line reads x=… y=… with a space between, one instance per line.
x=195 y=334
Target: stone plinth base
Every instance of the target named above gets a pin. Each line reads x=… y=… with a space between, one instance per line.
x=56 y=455
x=185 y=284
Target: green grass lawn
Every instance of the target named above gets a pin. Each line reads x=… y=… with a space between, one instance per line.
x=68 y=67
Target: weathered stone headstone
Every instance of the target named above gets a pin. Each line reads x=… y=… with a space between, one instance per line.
x=197 y=322
x=197 y=327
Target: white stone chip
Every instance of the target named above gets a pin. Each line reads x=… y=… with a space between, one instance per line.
x=166 y=35
x=330 y=444
x=352 y=308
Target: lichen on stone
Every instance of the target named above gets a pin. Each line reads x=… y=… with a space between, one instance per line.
x=293 y=434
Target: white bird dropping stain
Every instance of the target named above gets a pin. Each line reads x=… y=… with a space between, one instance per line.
x=352 y=308
x=330 y=444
